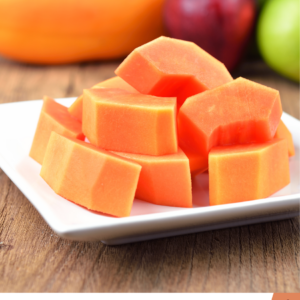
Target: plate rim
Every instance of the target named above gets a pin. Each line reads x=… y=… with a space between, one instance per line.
x=67 y=231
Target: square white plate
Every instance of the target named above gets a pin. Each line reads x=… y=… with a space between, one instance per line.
x=147 y=221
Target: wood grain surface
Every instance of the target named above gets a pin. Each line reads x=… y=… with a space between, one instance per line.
x=256 y=258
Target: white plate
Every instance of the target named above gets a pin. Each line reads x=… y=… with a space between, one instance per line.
x=147 y=221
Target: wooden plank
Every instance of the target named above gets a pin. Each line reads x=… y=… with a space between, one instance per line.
x=256 y=258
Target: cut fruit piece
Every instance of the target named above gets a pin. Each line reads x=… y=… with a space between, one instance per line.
x=116 y=82
x=90 y=177
x=164 y=180
x=282 y=132
x=238 y=112
x=114 y=119
x=169 y=67
x=198 y=163
x=247 y=172
x=53 y=117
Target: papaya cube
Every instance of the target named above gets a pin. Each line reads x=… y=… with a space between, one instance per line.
x=247 y=172
x=282 y=132
x=117 y=120
x=169 y=67
x=116 y=82
x=53 y=117
x=198 y=163
x=238 y=112
x=90 y=177
x=164 y=180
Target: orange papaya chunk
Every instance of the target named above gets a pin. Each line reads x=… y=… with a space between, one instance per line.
x=53 y=117
x=90 y=177
x=282 y=132
x=164 y=180
x=114 y=119
x=167 y=67
x=247 y=172
x=238 y=112
x=116 y=82
x=198 y=163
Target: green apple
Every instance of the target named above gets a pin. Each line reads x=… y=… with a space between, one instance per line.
x=278 y=36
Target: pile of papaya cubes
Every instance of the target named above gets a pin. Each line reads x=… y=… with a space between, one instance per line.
x=173 y=111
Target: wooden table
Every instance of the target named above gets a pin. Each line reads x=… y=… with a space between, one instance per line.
x=256 y=258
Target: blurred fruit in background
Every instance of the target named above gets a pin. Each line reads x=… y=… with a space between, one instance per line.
x=65 y=31
x=278 y=36
x=261 y=3
x=221 y=27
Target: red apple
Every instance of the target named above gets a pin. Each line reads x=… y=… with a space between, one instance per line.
x=221 y=27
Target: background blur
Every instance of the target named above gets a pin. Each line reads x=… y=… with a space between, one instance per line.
x=53 y=32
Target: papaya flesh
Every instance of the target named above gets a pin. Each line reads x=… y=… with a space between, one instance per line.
x=116 y=82
x=198 y=163
x=90 y=177
x=114 y=119
x=282 y=132
x=53 y=117
x=167 y=67
x=247 y=172
x=164 y=180
x=238 y=112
